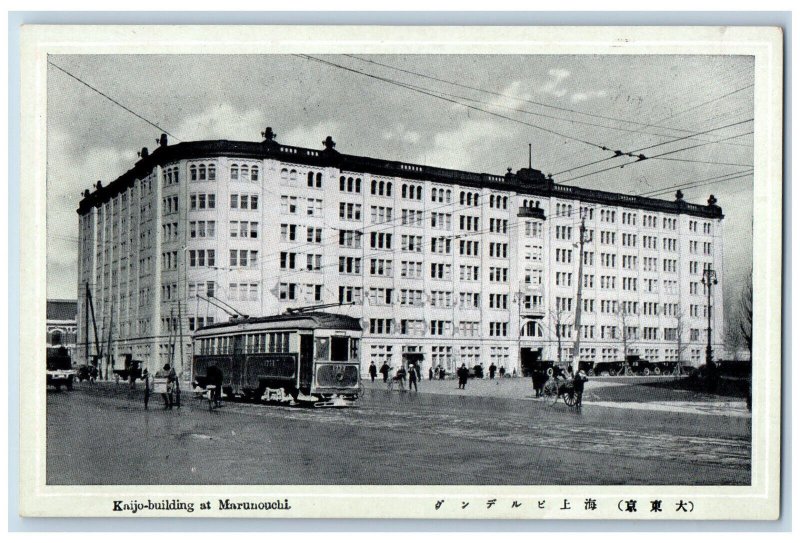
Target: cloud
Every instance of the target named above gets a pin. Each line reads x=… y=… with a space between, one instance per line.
x=586 y=95
x=399 y=133
x=223 y=121
x=311 y=136
x=81 y=166
x=466 y=145
x=551 y=87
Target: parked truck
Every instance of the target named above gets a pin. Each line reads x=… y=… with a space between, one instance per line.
x=59 y=368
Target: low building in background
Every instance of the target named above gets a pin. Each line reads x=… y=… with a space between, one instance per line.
x=62 y=326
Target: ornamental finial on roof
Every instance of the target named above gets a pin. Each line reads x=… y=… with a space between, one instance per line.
x=679 y=195
x=268 y=134
x=711 y=200
x=329 y=143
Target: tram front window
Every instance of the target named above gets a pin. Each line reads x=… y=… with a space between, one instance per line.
x=338 y=349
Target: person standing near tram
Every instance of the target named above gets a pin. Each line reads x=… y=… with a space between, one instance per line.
x=385 y=371
x=412 y=377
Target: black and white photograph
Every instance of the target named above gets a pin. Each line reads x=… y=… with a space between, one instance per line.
x=434 y=270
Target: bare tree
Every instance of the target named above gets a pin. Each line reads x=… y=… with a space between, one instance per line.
x=745 y=315
x=627 y=337
x=559 y=318
x=680 y=340
x=733 y=334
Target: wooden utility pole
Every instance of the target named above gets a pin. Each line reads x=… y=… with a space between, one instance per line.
x=171 y=340
x=576 y=357
x=97 y=345
x=180 y=330
x=108 y=352
x=86 y=322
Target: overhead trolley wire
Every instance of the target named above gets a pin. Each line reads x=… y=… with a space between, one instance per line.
x=617 y=153
x=542 y=104
x=659 y=145
x=450 y=100
x=654 y=156
x=109 y=98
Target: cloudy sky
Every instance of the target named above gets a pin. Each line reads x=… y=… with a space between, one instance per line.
x=474 y=113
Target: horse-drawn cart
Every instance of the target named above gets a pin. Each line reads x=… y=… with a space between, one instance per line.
x=564 y=388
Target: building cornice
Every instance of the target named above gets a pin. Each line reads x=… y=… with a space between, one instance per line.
x=525 y=181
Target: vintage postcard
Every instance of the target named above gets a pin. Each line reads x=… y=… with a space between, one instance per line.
x=399 y=272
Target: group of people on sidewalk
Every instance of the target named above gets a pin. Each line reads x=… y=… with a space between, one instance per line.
x=399 y=378
x=413 y=375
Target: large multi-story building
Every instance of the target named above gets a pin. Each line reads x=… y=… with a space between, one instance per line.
x=450 y=266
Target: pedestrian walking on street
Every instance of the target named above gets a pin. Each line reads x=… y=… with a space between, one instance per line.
x=492 y=370
x=373 y=371
x=400 y=377
x=385 y=371
x=502 y=371
x=412 y=377
x=166 y=373
x=463 y=375
x=578 y=383
x=430 y=373
x=176 y=388
x=215 y=378
x=539 y=379
x=146 y=381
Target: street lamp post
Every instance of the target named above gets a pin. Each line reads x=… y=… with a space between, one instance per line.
x=709 y=280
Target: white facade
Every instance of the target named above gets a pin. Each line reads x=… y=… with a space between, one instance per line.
x=436 y=264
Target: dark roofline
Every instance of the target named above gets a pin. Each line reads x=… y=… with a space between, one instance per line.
x=525 y=181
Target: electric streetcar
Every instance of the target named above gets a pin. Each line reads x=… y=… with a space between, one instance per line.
x=309 y=357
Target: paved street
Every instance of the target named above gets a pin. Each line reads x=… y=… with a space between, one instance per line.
x=492 y=433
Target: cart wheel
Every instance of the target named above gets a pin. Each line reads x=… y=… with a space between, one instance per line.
x=657 y=371
x=646 y=372
x=570 y=398
x=590 y=373
x=549 y=372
